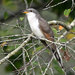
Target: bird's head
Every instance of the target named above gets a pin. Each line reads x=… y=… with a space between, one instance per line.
x=30 y=11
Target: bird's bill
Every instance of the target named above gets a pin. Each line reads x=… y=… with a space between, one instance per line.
x=25 y=12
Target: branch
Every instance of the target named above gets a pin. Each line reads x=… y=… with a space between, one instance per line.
x=26 y=3
x=10 y=40
x=26 y=41
x=72 y=24
x=70 y=40
x=16 y=35
x=15 y=51
x=58 y=43
x=54 y=22
x=67 y=27
x=55 y=5
x=48 y=65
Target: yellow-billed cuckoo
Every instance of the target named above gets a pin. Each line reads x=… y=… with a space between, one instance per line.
x=41 y=29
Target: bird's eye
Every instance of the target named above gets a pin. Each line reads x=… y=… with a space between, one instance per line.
x=30 y=10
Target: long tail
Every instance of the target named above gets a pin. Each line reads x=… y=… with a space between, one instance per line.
x=58 y=57
x=55 y=52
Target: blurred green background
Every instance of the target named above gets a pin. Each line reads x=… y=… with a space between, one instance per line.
x=13 y=21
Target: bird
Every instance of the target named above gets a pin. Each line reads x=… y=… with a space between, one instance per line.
x=41 y=29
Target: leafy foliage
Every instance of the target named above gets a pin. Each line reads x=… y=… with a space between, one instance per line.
x=67 y=12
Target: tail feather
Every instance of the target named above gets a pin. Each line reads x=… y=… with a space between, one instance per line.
x=59 y=59
x=55 y=52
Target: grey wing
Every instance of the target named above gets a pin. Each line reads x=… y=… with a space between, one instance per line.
x=45 y=27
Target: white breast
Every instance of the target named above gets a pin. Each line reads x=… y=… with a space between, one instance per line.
x=34 y=25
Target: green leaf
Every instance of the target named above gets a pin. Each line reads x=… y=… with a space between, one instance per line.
x=74 y=68
x=35 y=63
x=21 y=18
x=6 y=15
x=55 y=31
x=37 y=49
x=9 y=48
x=63 y=40
x=63 y=48
x=67 y=12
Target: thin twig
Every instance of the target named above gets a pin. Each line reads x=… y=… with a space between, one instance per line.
x=55 y=5
x=15 y=51
x=31 y=3
x=10 y=40
x=49 y=3
x=24 y=61
x=48 y=65
x=26 y=3
x=16 y=35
